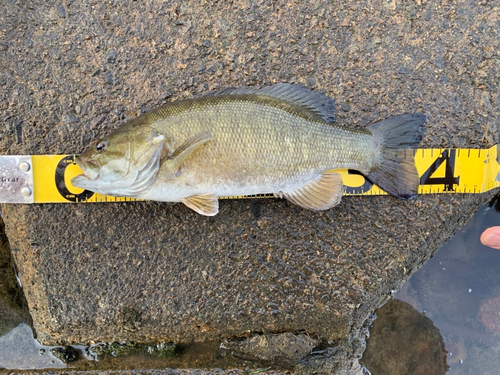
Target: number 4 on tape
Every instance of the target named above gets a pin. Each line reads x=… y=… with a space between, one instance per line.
x=449 y=180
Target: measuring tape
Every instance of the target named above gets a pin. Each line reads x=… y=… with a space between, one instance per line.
x=47 y=178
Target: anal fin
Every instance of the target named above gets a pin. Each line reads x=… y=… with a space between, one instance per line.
x=319 y=194
x=206 y=204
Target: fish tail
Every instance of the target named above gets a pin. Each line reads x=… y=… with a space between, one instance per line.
x=394 y=169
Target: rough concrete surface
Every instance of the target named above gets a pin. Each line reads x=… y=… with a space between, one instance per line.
x=156 y=372
x=13 y=306
x=71 y=71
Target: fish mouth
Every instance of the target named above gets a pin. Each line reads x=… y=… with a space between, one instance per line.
x=91 y=171
x=90 y=168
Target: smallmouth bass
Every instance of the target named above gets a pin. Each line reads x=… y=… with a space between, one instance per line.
x=279 y=139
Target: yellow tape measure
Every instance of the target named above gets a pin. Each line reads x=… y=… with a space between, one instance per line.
x=440 y=170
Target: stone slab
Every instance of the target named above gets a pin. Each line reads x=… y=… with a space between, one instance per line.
x=73 y=71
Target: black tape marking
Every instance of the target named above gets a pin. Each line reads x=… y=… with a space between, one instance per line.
x=367 y=185
x=61 y=184
x=449 y=180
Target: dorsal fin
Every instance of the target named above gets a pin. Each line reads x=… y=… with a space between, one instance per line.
x=315 y=103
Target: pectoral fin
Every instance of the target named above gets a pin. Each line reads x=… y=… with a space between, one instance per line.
x=186 y=149
x=206 y=204
x=320 y=194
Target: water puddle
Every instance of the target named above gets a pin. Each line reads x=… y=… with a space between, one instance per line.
x=19 y=350
x=459 y=291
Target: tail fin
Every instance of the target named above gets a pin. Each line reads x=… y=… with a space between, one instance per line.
x=393 y=171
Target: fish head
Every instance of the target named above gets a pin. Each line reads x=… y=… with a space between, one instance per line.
x=124 y=163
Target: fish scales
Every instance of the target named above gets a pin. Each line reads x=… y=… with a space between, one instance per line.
x=257 y=147
x=236 y=142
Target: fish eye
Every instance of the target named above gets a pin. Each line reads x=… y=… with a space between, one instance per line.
x=101 y=146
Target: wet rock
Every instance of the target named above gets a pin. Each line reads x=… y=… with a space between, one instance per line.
x=489 y=314
x=398 y=330
x=428 y=14
x=168 y=371
x=345 y=107
x=116 y=19
x=485 y=99
x=403 y=70
x=330 y=361
x=61 y=10
x=283 y=347
x=13 y=306
x=111 y=56
x=108 y=77
x=311 y=81
x=102 y=350
x=69 y=118
x=151 y=271
x=67 y=354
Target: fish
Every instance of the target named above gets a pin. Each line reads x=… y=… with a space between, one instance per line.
x=279 y=139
